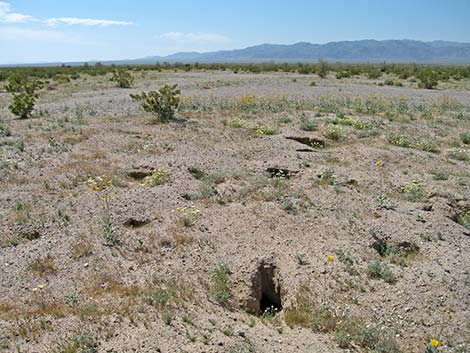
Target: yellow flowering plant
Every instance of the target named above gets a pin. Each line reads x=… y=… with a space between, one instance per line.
x=186 y=216
x=101 y=187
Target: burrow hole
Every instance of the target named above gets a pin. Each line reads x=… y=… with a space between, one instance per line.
x=267 y=290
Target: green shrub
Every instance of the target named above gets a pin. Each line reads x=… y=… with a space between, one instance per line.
x=122 y=78
x=465 y=137
x=427 y=79
x=374 y=74
x=323 y=68
x=439 y=176
x=333 y=133
x=459 y=154
x=220 y=286
x=4 y=130
x=265 y=130
x=17 y=84
x=23 y=104
x=414 y=191
x=380 y=270
x=308 y=125
x=463 y=218
x=163 y=103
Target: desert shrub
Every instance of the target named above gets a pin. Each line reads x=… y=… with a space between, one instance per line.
x=333 y=133
x=4 y=130
x=220 y=287
x=459 y=154
x=427 y=79
x=62 y=78
x=265 y=130
x=23 y=104
x=439 y=176
x=163 y=103
x=158 y=177
x=465 y=137
x=373 y=74
x=414 y=191
x=343 y=74
x=82 y=343
x=323 y=68
x=122 y=78
x=463 y=218
x=407 y=142
x=380 y=270
x=18 y=83
x=308 y=124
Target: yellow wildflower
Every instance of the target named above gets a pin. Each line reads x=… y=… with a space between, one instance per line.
x=330 y=257
x=35 y=289
x=41 y=286
x=435 y=342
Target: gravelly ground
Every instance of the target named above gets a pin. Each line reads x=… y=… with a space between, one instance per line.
x=317 y=224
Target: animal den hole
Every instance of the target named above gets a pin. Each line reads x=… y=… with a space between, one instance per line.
x=280 y=173
x=136 y=223
x=308 y=141
x=267 y=291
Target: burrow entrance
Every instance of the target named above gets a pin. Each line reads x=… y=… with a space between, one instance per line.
x=275 y=172
x=266 y=291
x=309 y=141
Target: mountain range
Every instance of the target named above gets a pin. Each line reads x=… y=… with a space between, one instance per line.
x=360 y=51
x=363 y=51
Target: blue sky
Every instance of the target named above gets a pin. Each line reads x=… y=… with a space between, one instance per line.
x=59 y=30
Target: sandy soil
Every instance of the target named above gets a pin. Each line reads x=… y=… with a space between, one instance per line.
x=199 y=224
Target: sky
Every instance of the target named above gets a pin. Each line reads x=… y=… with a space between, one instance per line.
x=86 y=30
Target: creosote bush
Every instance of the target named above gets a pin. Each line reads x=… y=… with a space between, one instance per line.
x=163 y=103
x=122 y=78
x=23 y=104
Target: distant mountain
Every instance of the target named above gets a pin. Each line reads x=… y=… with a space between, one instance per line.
x=361 y=51
x=346 y=51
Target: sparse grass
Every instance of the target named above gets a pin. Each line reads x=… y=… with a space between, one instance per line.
x=81 y=343
x=83 y=248
x=440 y=176
x=43 y=266
x=348 y=332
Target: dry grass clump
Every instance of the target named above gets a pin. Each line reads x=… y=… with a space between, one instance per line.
x=43 y=266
